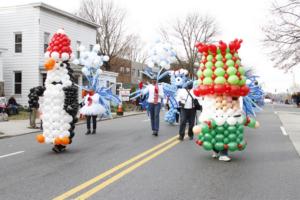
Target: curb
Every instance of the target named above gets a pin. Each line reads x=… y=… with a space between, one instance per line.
x=78 y=123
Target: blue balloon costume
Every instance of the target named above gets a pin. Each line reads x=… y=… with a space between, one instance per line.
x=92 y=62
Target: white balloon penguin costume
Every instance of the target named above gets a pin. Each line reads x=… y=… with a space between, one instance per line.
x=60 y=105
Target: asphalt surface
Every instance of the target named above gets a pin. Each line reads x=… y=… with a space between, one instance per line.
x=267 y=169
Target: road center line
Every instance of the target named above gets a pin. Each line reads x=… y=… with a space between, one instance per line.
x=112 y=170
x=11 y=154
x=125 y=172
x=283 y=131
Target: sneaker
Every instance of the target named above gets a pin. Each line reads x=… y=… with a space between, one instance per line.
x=88 y=132
x=180 y=138
x=94 y=132
x=225 y=158
x=215 y=155
x=176 y=124
x=155 y=133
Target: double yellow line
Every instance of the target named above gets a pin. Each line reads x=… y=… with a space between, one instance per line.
x=151 y=153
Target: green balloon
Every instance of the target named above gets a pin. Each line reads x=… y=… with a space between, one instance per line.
x=232 y=129
x=213 y=133
x=219 y=137
x=220 y=80
x=207 y=81
x=204 y=128
x=207 y=146
x=230 y=63
x=227 y=50
x=228 y=56
x=238 y=62
x=219 y=146
x=207 y=72
x=213 y=141
x=233 y=79
x=241 y=136
x=218 y=50
x=226 y=140
x=232 y=137
x=226 y=133
x=213 y=123
x=202 y=65
x=236 y=55
x=209 y=57
x=252 y=123
x=219 y=72
x=219 y=64
x=207 y=137
x=219 y=57
x=242 y=81
x=199 y=73
x=242 y=70
x=220 y=129
x=231 y=71
x=241 y=129
x=232 y=146
x=209 y=64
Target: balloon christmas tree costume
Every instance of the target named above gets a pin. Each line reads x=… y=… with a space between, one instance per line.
x=60 y=105
x=222 y=83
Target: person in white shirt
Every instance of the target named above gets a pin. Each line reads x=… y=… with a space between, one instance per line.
x=156 y=95
x=185 y=98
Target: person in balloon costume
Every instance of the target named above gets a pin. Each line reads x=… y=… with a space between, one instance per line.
x=222 y=84
x=60 y=104
x=96 y=98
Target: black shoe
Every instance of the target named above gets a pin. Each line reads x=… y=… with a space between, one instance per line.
x=94 y=132
x=88 y=132
x=58 y=148
x=155 y=133
x=180 y=138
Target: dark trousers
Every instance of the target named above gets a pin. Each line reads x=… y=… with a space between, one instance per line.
x=187 y=115
x=88 y=121
x=154 y=115
x=222 y=153
x=177 y=115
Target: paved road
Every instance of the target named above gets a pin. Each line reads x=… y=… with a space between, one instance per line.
x=267 y=169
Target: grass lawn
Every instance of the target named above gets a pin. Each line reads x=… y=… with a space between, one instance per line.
x=20 y=116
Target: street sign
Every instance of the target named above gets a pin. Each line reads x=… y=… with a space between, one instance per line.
x=124 y=94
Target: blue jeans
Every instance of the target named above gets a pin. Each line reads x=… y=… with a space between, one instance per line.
x=154 y=115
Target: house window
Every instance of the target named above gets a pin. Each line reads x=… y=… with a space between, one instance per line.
x=127 y=70
x=46 y=41
x=78 y=43
x=18 y=42
x=91 y=47
x=139 y=74
x=18 y=82
x=122 y=69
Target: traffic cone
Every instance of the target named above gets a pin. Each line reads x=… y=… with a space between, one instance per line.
x=120 y=110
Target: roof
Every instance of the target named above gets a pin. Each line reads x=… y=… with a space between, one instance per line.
x=60 y=12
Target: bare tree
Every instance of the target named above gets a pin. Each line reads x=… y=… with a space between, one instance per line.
x=136 y=51
x=186 y=32
x=282 y=35
x=111 y=34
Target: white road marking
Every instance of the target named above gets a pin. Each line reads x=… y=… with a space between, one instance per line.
x=283 y=130
x=12 y=154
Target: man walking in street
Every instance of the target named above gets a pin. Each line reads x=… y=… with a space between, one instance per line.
x=186 y=97
x=156 y=94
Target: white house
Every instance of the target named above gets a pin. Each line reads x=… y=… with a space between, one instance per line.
x=25 y=31
x=1 y=73
x=136 y=72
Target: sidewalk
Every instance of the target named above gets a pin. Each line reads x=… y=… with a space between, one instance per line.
x=19 y=127
x=291 y=123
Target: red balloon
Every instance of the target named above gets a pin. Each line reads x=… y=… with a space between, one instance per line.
x=245 y=90
x=222 y=46
x=197 y=92
x=219 y=89
x=234 y=90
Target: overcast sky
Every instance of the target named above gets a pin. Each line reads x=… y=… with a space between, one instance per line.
x=236 y=19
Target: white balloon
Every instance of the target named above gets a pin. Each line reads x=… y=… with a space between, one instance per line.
x=105 y=58
x=55 y=55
